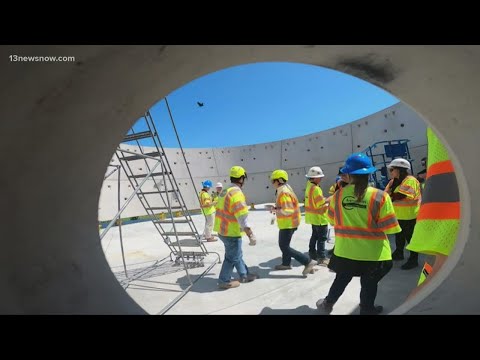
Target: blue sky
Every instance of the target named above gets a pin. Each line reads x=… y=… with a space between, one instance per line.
x=264 y=102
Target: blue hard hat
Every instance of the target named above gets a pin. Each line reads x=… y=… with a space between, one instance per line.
x=358 y=164
x=207 y=184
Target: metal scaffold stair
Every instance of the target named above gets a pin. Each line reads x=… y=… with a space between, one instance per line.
x=162 y=201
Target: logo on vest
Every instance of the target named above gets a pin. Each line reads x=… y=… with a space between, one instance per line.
x=350 y=202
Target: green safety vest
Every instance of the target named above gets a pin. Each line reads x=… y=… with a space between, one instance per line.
x=314 y=200
x=360 y=227
x=231 y=206
x=288 y=210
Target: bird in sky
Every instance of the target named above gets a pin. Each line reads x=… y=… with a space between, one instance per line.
x=200 y=104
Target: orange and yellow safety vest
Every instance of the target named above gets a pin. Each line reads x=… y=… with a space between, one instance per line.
x=231 y=207
x=407 y=208
x=288 y=210
x=315 y=212
x=438 y=219
x=360 y=227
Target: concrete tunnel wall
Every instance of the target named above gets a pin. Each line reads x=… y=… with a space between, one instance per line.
x=64 y=120
x=327 y=149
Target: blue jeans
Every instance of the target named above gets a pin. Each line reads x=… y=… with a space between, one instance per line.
x=284 y=239
x=233 y=258
x=317 y=241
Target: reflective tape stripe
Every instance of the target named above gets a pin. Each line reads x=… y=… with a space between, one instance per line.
x=338 y=210
x=391 y=220
x=405 y=202
x=357 y=233
x=315 y=211
x=441 y=188
x=439 y=211
x=440 y=167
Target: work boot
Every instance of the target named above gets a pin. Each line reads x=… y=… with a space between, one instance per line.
x=323 y=261
x=397 y=255
x=212 y=239
x=229 y=285
x=410 y=264
x=324 y=305
x=249 y=278
x=309 y=267
x=377 y=309
x=283 y=267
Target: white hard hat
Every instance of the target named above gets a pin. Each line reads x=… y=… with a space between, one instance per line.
x=400 y=163
x=315 y=172
x=219 y=184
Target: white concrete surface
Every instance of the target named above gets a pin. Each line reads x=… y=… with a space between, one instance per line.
x=63 y=121
x=275 y=292
x=327 y=149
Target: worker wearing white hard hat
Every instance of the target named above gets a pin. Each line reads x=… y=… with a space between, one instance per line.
x=315 y=215
x=404 y=189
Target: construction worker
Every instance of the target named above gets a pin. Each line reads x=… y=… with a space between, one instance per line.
x=216 y=193
x=404 y=190
x=362 y=216
x=231 y=221
x=332 y=188
x=208 y=210
x=288 y=216
x=315 y=214
x=438 y=219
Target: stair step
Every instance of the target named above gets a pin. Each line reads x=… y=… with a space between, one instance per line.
x=187 y=243
x=163 y=208
x=144 y=175
x=179 y=233
x=169 y=221
x=137 y=136
x=137 y=157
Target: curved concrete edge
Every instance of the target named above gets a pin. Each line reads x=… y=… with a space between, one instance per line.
x=52 y=261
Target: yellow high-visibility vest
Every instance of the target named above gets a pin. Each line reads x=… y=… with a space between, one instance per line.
x=407 y=208
x=231 y=206
x=314 y=200
x=206 y=203
x=360 y=227
x=438 y=219
x=288 y=210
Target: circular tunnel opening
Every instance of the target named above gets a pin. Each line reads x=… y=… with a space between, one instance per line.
x=329 y=147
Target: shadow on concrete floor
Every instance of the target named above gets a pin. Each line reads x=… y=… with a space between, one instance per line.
x=301 y=310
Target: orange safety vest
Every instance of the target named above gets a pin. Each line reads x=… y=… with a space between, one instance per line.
x=288 y=210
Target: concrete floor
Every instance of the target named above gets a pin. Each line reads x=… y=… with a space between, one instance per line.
x=275 y=292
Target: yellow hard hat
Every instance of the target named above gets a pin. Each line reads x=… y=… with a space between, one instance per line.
x=237 y=172
x=279 y=174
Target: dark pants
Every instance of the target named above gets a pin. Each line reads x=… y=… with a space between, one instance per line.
x=368 y=281
x=284 y=239
x=402 y=238
x=317 y=241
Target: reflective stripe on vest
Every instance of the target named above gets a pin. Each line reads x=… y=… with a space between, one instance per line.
x=438 y=219
x=288 y=215
x=359 y=229
x=427 y=270
x=314 y=215
x=231 y=205
x=407 y=208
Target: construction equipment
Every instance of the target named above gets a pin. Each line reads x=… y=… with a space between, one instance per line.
x=381 y=156
x=162 y=202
